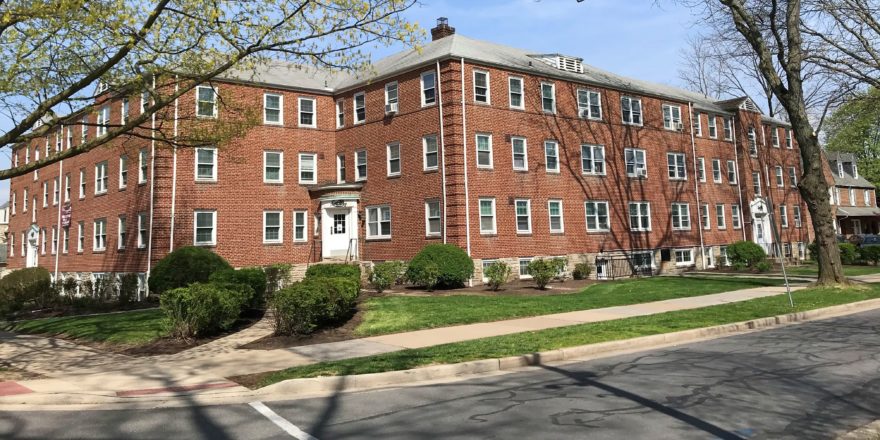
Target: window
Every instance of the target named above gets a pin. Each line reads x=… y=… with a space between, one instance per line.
x=867 y=197
x=392 y=152
x=142 y=230
x=360 y=108
x=515 y=87
x=589 y=104
x=273 y=108
x=69 y=138
x=340 y=168
x=635 y=162
x=13 y=202
x=124 y=112
x=123 y=171
x=56 y=191
x=100 y=235
x=681 y=216
x=524 y=268
x=735 y=216
x=797 y=215
x=360 y=165
x=391 y=97
x=145 y=101
x=701 y=169
x=788 y=143
x=704 y=216
x=45 y=194
x=481 y=86
x=206 y=164
x=719 y=216
x=308 y=172
x=485 y=265
x=756 y=182
x=697 y=125
x=852 y=197
x=300 y=226
x=272 y=227
x=836 y=195
x=103 y=120
x=783 y=216
x=142 y=166
x=120 y=233
x=487 y=216
x=684 y=257
x=379 y=222
x=307 y=112
x=753 y=142
x=716 y=170
x=839 y=165
x=520 y=154
x=82 y=184
x=554 y=209
x=676 y=166
x=340 y=113
x=484 y=151
x=713 y=127
x=671 y=117
x=640 y=216
x=205 y=230
x=432 y=218
x=429 y=147
x=728 y=130
x=428 y=88
x=54 y=240
x=774 y=136
x=551 y=156
x=80 y=237
x=548 y=97
x=597 y=216
x=523 y=209
x=101 y=177
x=731 y=171
x=65 y=241
x=631 y=109
x=273 y=166
x=593 y=159
x=206 y=102
x=779 y=181
x=43 y=241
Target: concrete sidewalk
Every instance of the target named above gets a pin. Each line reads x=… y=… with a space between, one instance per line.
x=82 y=371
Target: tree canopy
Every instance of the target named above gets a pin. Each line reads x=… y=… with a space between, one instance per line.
x=855 y=128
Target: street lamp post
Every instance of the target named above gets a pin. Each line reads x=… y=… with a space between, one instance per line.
x=776 y=239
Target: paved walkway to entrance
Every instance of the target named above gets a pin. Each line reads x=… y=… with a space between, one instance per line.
x=72 y=368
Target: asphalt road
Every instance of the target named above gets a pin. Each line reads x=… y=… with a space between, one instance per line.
x=808 y=381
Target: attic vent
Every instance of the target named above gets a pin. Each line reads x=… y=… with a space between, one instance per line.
x=749 y=105
x=563 y=62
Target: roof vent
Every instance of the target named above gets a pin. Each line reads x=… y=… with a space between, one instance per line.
x=750 y=105
x=563 y=62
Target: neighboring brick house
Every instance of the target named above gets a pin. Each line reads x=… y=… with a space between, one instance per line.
x=532 y=155
x=853 y=198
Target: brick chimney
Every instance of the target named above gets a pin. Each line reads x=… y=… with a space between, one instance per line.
x=442 y=30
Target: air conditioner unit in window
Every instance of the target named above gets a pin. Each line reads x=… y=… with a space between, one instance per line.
x=391 y=108
x=679 y=126
x=585 y=113
x=642 y=172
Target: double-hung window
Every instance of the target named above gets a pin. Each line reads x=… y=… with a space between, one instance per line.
x=82 y=185
x=54 y=240
x=206 y=102
x=701 y=169
x=796 y=210
x=640 y=216
x=792 y=177
x=300 y=226
x=123 y=114
x=123 y=171
x=101 y=177
x=593 y=159
x=307 y=116
x=80 y=237
x=731 y=172
x=206 y=164
x=728 y=128
x=636 y=166
x=788 y=143
x=484 y=150
x=143 y=160
x=67 y=187
x=520 y=153
x=487 y=216
x=391 y=98
x=100 y=235
x=753 y=142
x=45 y=193
x=273 y=166
x=515 y=88
x=697 y=124
x=103 y=120
x=432 y=156
x=681 y=216
x=866 y=196
x=554 y=210
x=56 y=191
x=735 y=216
x=308 y=171
x=704 y=216
x=273 y=108
x=481 y=86
x=360 y=108
x=340 y=113
x=392 y=152
x=142 y=230
x=429 y=88
x=713 y=127
x=205 y=228
x=756 y=183
x=273 y=227
x=684 y=257
x=774 y=136
x=783 y=216
x=779 y=181
x=676 y=165
x=120 y=233
x=671 y=117
x=360 y=165
x=379 y=222
x=84 y=132
x=551 y=156
x=432 y=218
x=548 y=97
x=597 y=216
x=852 y=197
x=523 y=209
x=65 y=241
x=589 y=104
x=631 y=110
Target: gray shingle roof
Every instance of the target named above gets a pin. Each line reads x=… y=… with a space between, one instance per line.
x=848 y=179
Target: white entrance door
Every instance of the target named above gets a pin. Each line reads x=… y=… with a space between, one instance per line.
x=762 y=233
x=339 y=228
x=33 y=236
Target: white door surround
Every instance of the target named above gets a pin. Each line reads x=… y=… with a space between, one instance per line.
x=339 y=229
x=33 y=237
x=762 y=232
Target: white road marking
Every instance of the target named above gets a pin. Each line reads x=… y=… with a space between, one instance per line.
x=282 y=423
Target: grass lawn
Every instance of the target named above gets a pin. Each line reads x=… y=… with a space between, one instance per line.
x=850 y=271
x=129 y=328
x=582 y=334
x=393 y=314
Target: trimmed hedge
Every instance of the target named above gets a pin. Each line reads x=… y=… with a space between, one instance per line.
x=202 y=309
x=745 y=253
x=442 y=265
x=25 y=286
x=185 y=266
x=870 y=254
x=334 y=270
x=254 y=277
x=304 y=306
x=848 y=253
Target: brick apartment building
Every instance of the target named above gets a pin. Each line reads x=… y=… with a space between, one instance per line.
x=853 y=198
x=508 y=154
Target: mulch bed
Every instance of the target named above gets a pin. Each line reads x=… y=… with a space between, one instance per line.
x=512 y=288
x=63 y=311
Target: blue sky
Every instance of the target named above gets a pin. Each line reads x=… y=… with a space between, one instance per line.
x=634 y=38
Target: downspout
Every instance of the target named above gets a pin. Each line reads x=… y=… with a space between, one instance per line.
x=442 y=148
x=152 y=194
x=467 y=206
x=739 y=177
x=697 y=186
x=58 y=225
x=174 y=167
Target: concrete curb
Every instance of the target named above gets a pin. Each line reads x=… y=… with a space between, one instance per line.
x=335 y=384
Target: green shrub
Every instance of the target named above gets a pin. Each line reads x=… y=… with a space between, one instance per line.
x=848 y=253
x=334 y=270
x=128 y=288
x=445 y=265
x=385 y=274
x=582 y=271
x=31 y=287
x=543 y=270
x=746 y=252
x=813 y=249
x=185 y=266
x=763 y=266
x=68 y=286
x=201 y=309
x=277 y=276
x=497 y=273
x=303 y=306
x=254 y=277
x=739 y=266
x=870 y=254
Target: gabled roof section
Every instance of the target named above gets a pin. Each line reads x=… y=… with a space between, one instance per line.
x=835 y=157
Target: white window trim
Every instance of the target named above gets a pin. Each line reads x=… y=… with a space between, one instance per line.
x=561 y=229
x=736 y=221
x=494 y=216
x=552 y=97
x=425 y=166
x=555 y=170
x=95 y=246
x=97 y=178
x=707 y=223
x=280 y=166
x=214 y=89
x=783 y=216
x=82 y=186
x=280 y=109
x=684 y=166
x=588 y=108
x=629 y=217
x=727 y=126
x=735 y=179
x=340 y=111
x=299 y=112
x=378 y=235
x=396 y=87
x=300 y=168
x=519 y=266
x=141 y=225
x=280 y=238
x=687 y=212
x=80 y=237
x=388 y=171
x=593 y=148
x=697 y=124
x=525 y=142
x=213 y=177
x=528 y=214
x=143 y=161
x=213 y=241
x=607 y=215
x=422 y=88
x=477 y=151
x=488 y=87
x=712 y=126
x=357 y=172
x=354 y=108
x=305 y=226
x=672 y=121
x=123 y=171
x=636 y=167
x=641 y=111
x=701 y=169
x=428 y=232
x=522 y=92
x=689 y=262
x=121 y=226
